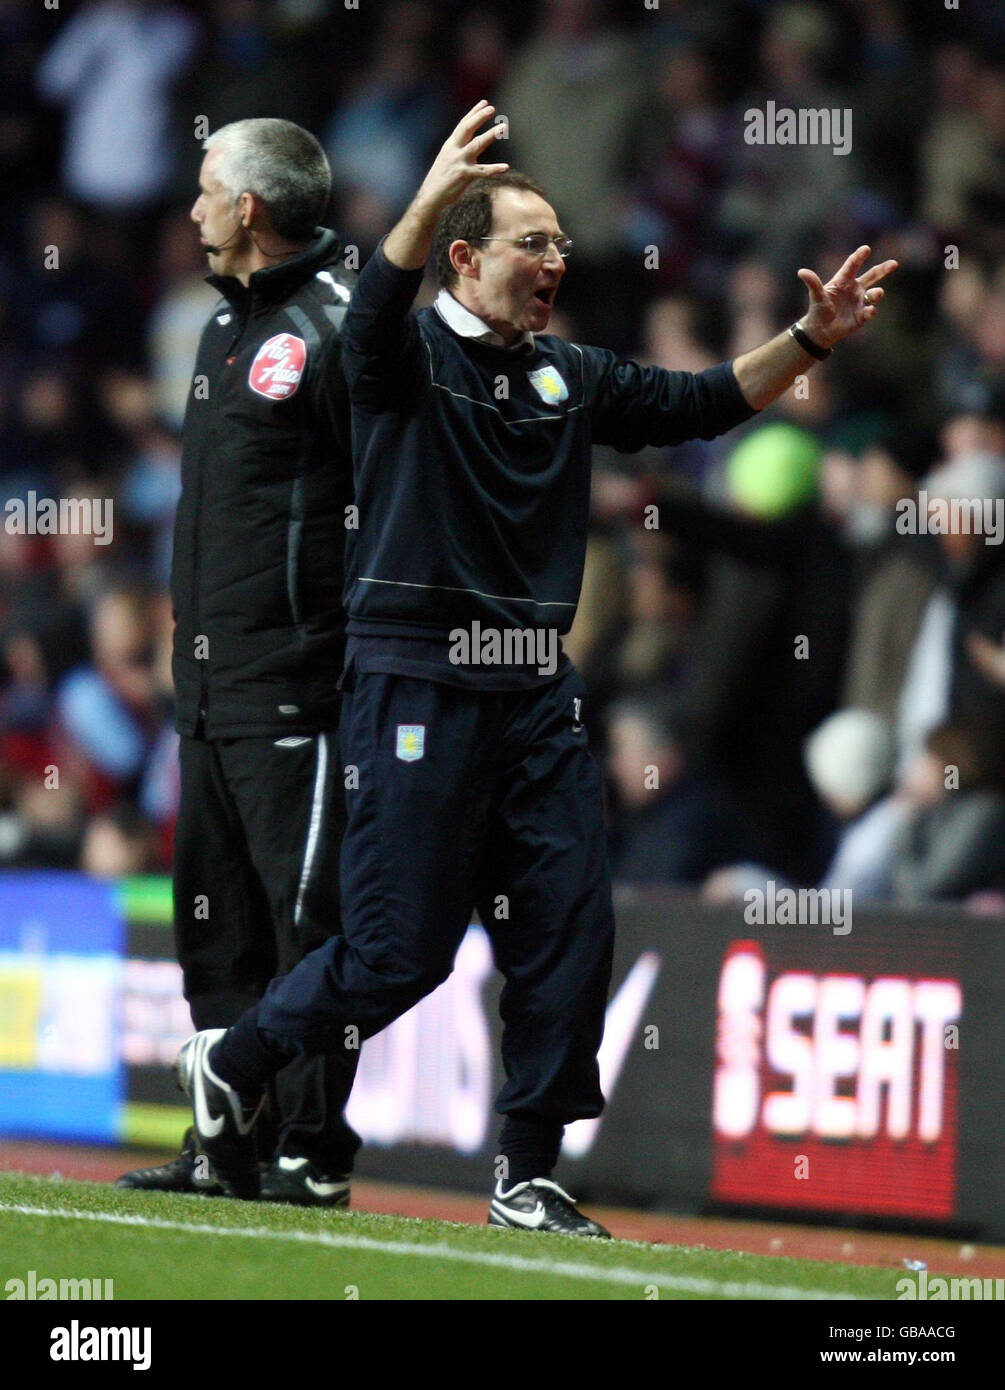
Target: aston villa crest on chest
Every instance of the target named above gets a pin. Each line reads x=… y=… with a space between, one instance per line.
x=549 y=385
x=411 y=742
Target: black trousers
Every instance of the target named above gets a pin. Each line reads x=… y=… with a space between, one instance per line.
x=465 y=798
x=256 y=888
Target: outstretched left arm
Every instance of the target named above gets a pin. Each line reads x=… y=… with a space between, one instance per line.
x=838 y=309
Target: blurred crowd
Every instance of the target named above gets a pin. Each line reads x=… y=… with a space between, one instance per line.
x=788 y=677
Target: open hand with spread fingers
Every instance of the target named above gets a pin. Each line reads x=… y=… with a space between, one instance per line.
x=457 y=165
x=847 y=302
x=458 y=162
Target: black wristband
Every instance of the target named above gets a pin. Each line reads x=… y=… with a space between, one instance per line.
x=808 y=345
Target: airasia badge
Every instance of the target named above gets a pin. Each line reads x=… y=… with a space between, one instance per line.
x=278 y=367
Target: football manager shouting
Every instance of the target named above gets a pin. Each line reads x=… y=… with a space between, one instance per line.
x=259 y=638
x=472 y=435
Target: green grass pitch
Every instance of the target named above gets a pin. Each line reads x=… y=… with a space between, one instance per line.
x=159 y=1246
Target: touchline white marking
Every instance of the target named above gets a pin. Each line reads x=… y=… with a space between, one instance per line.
x=678 y=1283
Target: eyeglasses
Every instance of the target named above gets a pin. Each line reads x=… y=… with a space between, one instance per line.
x=536 y=244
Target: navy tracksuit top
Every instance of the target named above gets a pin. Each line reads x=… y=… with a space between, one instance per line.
x=472 y=462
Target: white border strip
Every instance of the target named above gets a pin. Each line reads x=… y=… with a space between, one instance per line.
x=566 y=1269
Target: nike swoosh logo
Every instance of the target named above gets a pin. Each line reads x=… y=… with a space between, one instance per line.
x=325 y=1189
x=531 y=1219
x=204 y=1122
x=244 y=1127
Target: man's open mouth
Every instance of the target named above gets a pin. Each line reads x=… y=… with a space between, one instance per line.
x=546 y=295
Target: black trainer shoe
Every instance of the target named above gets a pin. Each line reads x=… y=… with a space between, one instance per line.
x=186 y=1173
x=224 y=1120
x=541 y=1205
x=301 y=1182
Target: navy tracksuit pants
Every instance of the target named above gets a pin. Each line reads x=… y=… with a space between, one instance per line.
x=465 y=798
x=255 y=889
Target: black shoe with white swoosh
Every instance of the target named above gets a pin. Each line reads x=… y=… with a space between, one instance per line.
x=224 y=1120
x=541 y=1205
x=301 y=1182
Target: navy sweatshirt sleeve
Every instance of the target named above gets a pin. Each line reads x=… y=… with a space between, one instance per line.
x=381 y=345
x=632 y=406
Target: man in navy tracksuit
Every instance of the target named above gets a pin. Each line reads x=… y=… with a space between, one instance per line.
x=470 y=782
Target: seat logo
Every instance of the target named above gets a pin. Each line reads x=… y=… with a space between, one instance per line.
x=278 y=366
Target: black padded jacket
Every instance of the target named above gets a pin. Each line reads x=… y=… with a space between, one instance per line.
x=260 y=530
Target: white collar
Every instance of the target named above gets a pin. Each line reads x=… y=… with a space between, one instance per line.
x=468 y=325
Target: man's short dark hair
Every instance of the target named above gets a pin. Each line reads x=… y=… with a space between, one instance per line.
x=471 y=217
x=283 y=164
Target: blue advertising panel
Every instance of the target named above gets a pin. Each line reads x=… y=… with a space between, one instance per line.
x=61 y=955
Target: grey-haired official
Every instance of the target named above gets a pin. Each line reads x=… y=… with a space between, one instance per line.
x=472 y=442
x=260 y=635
